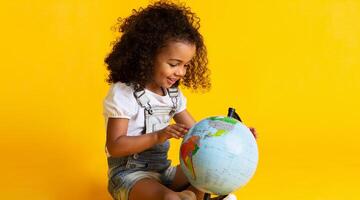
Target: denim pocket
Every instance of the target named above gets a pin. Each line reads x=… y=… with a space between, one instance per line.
x=135 y=165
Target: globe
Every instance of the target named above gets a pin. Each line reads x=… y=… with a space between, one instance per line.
x=218 y=155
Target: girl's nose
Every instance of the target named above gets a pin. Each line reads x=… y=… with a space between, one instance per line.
x=180 y=71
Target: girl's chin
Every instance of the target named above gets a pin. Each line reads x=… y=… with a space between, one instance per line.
x=168 y=84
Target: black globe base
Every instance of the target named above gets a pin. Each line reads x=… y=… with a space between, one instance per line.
x=207 y=196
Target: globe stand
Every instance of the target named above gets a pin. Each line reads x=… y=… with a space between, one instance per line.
x=232 y=114
x=207 y=197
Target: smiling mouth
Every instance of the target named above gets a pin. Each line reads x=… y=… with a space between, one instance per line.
x=172 y=81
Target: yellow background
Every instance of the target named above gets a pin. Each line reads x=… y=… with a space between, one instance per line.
x=291 y=68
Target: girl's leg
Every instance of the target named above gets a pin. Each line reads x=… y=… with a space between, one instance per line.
x=180 y=183
x=153 y=190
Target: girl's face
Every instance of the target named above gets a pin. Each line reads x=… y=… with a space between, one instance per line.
x=170 y=64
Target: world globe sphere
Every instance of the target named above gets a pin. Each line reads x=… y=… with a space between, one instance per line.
x=219 y=155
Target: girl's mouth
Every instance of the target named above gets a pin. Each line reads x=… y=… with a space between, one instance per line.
x=171 y=81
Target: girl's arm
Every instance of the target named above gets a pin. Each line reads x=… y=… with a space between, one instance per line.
x=185 y=118
x=119 y=144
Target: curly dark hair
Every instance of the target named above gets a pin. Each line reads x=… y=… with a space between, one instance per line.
x=143 y=33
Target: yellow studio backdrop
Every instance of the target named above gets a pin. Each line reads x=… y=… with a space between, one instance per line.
x=291 y=68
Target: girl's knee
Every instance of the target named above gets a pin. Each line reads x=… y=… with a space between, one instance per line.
x=187 y=195
x=171 y=196
x=184 y=195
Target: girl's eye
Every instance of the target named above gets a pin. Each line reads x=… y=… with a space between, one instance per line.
x=173 y=65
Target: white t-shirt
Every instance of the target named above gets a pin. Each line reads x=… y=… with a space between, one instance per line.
x=120 y=102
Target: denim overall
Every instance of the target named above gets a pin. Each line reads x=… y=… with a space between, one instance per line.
x=153 y=159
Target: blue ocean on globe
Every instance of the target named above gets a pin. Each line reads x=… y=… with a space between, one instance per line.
x=219 y=155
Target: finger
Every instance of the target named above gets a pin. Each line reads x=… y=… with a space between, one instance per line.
x=174 y=135
x=182 y=126
x=181 y=130
x=255 y=135
x=171 y=132
x=253 y=131
x=177 y=132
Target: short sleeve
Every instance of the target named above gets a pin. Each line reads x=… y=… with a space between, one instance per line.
x=181 y=103
x=119 y=102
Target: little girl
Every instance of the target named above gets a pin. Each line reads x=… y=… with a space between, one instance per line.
x=160 y=48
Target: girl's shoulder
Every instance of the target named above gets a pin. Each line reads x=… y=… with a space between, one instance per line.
x=121 y=89
x=121 y=92
x=120 y=101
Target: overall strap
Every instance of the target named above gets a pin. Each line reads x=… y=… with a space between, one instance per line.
x=173 y=94
x=143 y=100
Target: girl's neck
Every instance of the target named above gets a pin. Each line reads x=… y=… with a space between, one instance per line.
x=156 y=89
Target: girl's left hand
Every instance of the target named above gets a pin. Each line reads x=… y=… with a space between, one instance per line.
x=253 y=131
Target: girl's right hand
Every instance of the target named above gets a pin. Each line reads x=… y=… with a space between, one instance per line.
x=172 y=131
